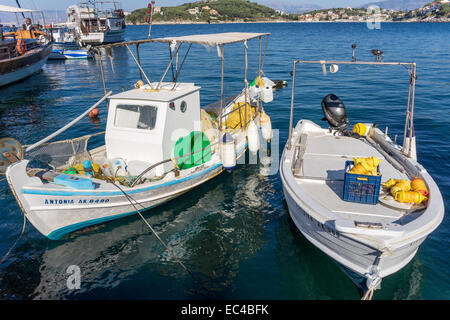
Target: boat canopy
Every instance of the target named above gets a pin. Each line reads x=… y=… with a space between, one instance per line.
x=4 y=8
x=214 y=39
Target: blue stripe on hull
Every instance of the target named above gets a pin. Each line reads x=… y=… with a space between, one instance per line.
x=59 y=233
x=116 y=193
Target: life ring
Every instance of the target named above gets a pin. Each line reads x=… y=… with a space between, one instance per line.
x=21 y=46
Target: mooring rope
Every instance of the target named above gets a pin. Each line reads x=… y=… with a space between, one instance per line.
x=369 y=294
x=130 y=199
x=17 y=240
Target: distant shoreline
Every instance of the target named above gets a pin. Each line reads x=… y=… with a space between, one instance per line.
x=281 y=21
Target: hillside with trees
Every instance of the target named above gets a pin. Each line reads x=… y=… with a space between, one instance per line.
x=210 y=11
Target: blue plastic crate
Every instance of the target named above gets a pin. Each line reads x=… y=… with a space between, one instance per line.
x=361 y=188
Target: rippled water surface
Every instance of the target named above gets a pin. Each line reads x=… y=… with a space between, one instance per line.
x=234 y=232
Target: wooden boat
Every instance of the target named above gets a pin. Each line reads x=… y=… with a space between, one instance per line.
x=22 y=53
x=369 y=239
x=144 y=161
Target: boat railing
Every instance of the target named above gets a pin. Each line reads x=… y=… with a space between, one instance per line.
x=410 y=68
x=5 y=52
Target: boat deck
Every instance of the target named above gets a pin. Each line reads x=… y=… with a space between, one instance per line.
x=319 y=169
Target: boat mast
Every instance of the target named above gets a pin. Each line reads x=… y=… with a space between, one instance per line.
x=151 y=19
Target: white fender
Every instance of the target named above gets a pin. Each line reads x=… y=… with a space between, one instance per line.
x=253 y=137
x=228 y=152
x=266 y=126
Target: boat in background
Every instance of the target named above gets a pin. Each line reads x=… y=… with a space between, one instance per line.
x=65 y=45
x=334 y=197
x=97 y=22
x=22 y=52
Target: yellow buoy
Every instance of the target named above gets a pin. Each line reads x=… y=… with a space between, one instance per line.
x=360 y=129
x=390 y=183
x=419 y=186
x=410 y=197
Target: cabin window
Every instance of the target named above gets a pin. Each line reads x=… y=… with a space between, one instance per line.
x=183 y=106
x=135 y=117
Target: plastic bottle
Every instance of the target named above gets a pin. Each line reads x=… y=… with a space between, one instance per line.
x=87 y=165
x=119 y=167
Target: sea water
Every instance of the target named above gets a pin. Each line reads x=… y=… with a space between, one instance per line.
x=233 y=232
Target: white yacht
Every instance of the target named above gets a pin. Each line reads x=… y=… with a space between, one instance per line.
x=97 y=22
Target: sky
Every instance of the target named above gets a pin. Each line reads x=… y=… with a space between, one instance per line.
x=130 y=5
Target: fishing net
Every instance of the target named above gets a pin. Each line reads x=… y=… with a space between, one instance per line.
x=60 y=154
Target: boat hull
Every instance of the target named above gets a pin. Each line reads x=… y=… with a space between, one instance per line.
x=56 y=213
x=69 y=54
x=356 y=256
x=370 y=253
x=98 y=38
x=23 y=67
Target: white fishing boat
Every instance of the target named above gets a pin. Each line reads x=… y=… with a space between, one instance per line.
x=65 y=45
x=371 y=235
x=97 y=22
x=158 y=145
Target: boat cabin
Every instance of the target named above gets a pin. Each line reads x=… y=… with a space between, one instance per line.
x=144 y=124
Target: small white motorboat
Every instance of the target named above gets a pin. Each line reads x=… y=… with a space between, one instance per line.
x=158 y=145
x=370 y=234
x=65 y=45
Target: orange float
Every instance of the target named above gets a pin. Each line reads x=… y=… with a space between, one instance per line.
x=21 y=46
x=93 y=113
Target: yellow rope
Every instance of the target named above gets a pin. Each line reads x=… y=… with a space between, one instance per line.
x=369 y=294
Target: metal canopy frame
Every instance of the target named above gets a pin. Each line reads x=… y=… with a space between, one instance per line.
x=219 y=40
x=411 y=67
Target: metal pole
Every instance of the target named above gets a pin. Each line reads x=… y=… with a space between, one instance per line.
x=292 y=106
x=151 y=20
x=221 y=90
x=181 y=66
x=67 y=126
x=411 y=117
x=245 y=81
x=407 y=111
x=139 y=66
x=258 y=101
x=173 y=73
x=260 y=52
x=101 y=70
x=168 y=66
x=139 y=59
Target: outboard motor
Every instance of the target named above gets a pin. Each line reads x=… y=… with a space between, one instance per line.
x=334 y=110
